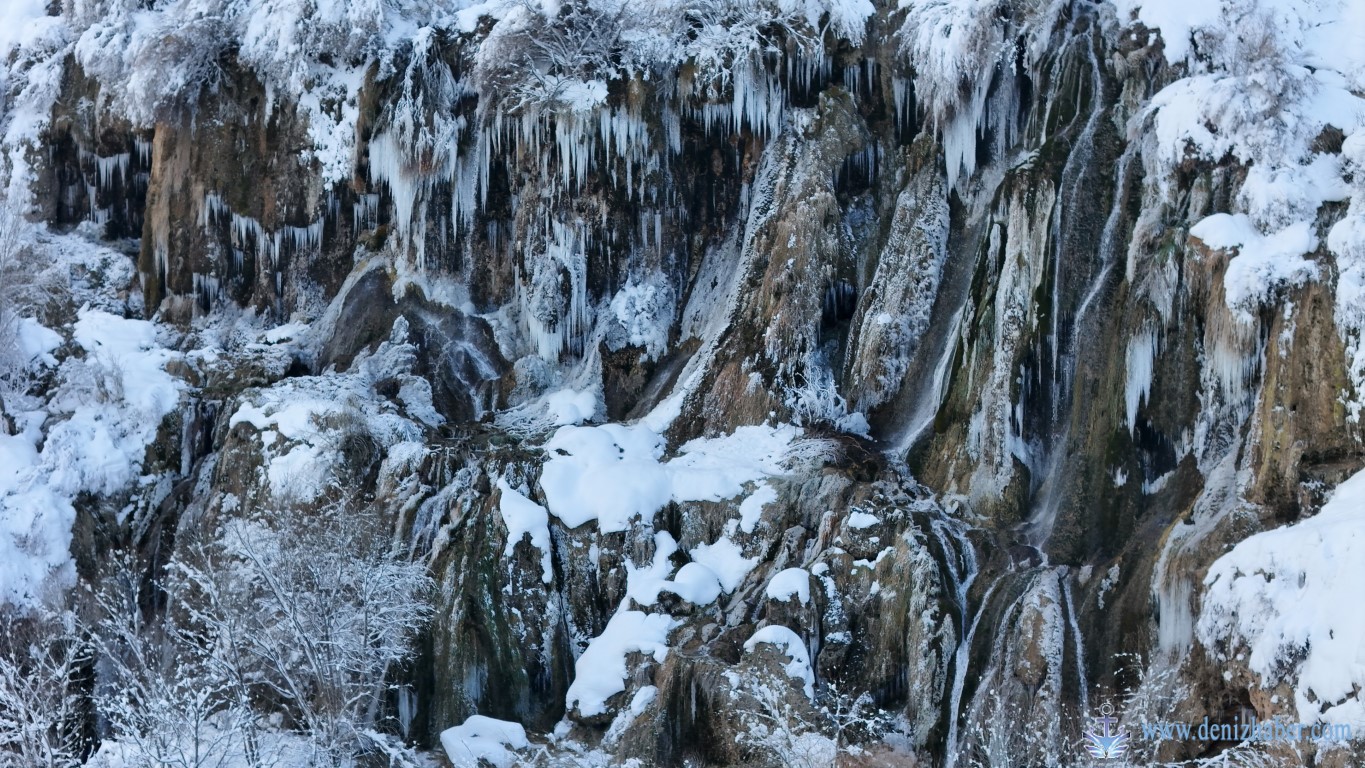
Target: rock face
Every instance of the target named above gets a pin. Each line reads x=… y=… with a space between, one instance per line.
x=609 y=335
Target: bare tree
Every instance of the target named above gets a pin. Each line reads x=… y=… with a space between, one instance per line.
x=42 y=707
x=277 y=646
x=314 y=613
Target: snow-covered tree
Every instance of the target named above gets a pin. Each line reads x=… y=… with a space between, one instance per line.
x=538 y=60
x=313 y=612
x=42 y=706
x=277 y=646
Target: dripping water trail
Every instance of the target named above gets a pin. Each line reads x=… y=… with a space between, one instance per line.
x=1082 y=683
x=960 y=661
x=1059 y=355
x=960 y=567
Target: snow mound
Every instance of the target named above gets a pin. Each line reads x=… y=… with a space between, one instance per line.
x=789 y=583
x=1263 y=262
x=798 y=665
x=613 y=473
x=1283 y=594
x=600 y=672
x=480 y=740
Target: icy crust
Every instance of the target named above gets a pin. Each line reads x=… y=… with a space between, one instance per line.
x=1284 y=595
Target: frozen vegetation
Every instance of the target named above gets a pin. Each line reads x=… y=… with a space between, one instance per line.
x=767 y=382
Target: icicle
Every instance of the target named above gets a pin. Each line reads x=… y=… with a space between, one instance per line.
x=144 y=152
x=111 y=169
x=365 y=212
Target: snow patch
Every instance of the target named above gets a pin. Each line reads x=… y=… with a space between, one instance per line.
x=1279 y=594
x=525 y=518
x=798 y=664
x=482 y=740
x=600 y=672
x=789 y=583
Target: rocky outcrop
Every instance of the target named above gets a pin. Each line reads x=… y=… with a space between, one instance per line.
x=1032 y=415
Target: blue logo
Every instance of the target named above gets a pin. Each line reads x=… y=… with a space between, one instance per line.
x=1103 y=740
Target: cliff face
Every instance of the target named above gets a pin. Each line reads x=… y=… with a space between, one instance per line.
x=959 y=340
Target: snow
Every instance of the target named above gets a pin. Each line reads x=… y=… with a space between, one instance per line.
x=643 y=313
x=600 y=671
x=129 y=351
x=1263 y=262
x=1284 y=594
x=1176 y=19
x=1265 y=78
x=610 y=474
x=16 y=19
x=696 y=583
x=569 y=406
x=643 y=584
x=725 y=559
x=751 y=509
x=613 y=473
x=480 y=740
x=37 y=342
x=313 y=413
x=789 y=583
x=788 y=642
x=525 y=518
x=93 y=439
x=860 y=520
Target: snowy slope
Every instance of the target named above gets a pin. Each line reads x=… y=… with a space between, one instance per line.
x=1285 y=596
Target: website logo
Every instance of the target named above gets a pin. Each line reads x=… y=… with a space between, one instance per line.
x=1105 y=741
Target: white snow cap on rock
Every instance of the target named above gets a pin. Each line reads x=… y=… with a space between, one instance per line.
x=523 y=518
x=483 y=738
x=600 y=672
x=798 y=667
x=1286 y=594
x=792 y=582
x=613 y=473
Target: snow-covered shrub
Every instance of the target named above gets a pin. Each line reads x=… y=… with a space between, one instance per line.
x=997 y=739
x=326 y=612
x=307 y=618
x=731 y=36
x=27 y=289
x=643 y=311
x=12 y=282
x=1265 y=80
x=781 y=728
x=152 y=65
x=555 y=58
x=816 y=402
x=164 y=699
